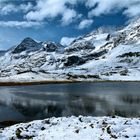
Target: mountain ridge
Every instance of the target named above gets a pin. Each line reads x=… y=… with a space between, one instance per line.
x=98 y=55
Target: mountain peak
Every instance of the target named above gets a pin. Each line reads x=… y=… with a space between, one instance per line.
x=27 y=44
x=27 y=39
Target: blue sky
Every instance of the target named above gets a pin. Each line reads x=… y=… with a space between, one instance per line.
x=60 y=20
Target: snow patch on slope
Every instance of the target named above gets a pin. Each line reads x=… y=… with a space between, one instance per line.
x=75 y=128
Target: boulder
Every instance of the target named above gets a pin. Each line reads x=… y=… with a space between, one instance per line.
x=73 y=60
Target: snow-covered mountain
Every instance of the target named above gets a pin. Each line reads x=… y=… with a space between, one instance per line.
x=99 y=55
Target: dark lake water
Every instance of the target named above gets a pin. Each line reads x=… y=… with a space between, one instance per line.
x=26 y=103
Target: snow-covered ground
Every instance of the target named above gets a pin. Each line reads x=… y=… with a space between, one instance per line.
x=75 y=128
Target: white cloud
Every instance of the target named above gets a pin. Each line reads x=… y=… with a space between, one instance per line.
x=111 y=6
x=133 y=11
x=52 y=9
x=68 y=16
x=46 y=9
x=26 y=7
x=66 y=10
x=65 y=41
x=6 y=9
x=85 y=23
x=18 y=24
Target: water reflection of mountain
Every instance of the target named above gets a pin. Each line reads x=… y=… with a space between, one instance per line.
x=42 y=105
x=130 y=99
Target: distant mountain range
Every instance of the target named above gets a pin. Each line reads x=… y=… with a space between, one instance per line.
x=99 y=55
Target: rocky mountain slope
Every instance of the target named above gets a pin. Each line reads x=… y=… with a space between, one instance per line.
x=99 y=55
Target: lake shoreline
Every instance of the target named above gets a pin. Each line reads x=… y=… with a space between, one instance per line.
x=61 y=82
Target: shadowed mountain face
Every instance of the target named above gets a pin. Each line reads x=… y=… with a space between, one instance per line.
x=99 y=55
x=22 y=103
x=27 y=44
